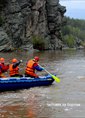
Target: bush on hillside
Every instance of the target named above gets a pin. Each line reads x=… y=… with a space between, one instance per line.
x=38 y=42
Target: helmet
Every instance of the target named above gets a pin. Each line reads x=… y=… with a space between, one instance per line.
x=2 y=60
x=14 y=60
x=36 y=58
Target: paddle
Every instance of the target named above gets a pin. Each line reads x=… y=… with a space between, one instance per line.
x=53 y=76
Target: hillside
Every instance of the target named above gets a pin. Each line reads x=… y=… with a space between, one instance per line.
x=31 y=24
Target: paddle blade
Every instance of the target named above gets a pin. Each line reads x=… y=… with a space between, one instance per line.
x=55 y=78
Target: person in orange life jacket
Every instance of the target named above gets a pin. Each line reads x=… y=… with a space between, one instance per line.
x=32 y=65
x=3 y=67
x=14 y=69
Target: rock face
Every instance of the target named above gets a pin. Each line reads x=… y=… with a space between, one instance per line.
x=5 y=44
x=24 y=19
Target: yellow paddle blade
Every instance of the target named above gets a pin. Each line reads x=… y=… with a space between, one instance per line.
x=55 y=78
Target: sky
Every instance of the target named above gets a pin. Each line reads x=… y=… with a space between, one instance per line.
x=75 y=8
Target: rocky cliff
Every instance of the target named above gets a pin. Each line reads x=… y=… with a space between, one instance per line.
x=31 y=24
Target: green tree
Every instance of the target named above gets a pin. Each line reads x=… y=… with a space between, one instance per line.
x=73 y=31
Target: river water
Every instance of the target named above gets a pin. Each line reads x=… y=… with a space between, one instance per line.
x=60 y=100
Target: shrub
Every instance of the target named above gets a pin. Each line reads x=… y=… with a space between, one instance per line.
x=38 y=42
x=69 y=41
x=83 y=43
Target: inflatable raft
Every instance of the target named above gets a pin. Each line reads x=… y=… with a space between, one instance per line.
x=16 y=83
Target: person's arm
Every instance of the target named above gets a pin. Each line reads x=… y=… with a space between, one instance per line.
x=16 y=64
x=37 y=67
x=0 y=67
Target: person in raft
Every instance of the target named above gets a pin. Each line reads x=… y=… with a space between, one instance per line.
x=31 y=66
x=3 y=67
x=14 y=69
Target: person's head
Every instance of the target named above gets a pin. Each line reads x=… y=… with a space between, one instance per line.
x=2 y=60
x=36 y=58
x=14 y=60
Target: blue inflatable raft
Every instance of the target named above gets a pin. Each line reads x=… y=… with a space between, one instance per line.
x=16 y=83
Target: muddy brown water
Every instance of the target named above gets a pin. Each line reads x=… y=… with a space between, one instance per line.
x=64 y=99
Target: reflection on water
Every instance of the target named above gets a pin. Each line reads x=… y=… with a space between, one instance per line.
x=65 y=99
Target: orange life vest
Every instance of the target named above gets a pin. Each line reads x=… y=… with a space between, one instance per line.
x=29 y=69
x=13 y=71
x=3 y=69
